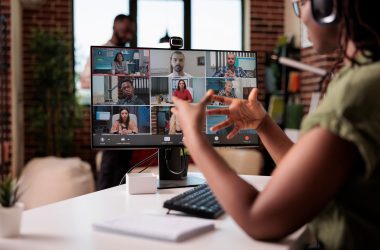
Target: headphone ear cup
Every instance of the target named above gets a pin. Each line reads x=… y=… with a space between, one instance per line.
x=325 y=12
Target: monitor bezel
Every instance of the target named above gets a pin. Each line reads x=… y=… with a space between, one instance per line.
x=126 y=147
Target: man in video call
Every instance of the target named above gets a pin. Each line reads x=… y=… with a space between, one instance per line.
x=230 y=70
x=124 y=29
x=129 y=97
x=227 y=91
x=177 y=64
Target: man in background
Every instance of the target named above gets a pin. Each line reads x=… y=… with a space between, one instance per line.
x=116 y=163
x=230 y=70
x=124 y=29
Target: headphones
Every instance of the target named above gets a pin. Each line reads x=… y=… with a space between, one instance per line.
x=326 y=12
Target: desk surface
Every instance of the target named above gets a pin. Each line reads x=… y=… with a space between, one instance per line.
x=68 y=224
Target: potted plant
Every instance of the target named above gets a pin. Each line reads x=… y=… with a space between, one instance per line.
x=10 y=208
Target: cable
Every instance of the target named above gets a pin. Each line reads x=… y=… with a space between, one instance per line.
x=184 y=165
x=139 y=164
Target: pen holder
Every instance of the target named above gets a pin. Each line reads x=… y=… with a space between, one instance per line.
x=141 y=183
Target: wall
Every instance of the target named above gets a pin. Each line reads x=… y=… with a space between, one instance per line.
x=267 y=24
x=5 y=90
x=53 y=15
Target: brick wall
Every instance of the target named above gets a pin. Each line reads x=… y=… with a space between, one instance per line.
x=5 y=88
x=309 y=81
x=53 y=15
x=267 y=24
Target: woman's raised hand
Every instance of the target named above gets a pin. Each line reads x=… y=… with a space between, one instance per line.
x=243 y=114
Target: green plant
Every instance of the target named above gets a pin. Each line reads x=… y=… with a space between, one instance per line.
x=8 y=191
x=55 y=113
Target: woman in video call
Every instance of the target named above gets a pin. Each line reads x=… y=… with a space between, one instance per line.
x=182 y=93
x=119 y=66
x=329 y=179
x=124 y=125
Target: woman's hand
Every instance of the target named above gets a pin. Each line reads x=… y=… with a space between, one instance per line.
x=191 y=116
x=243 y=114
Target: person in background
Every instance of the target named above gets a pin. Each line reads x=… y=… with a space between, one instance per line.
x=124 y=125
x=128 y=91
x=116 y=163
x=124 y=29
x=330 y=178
x=177 y=65
x=181 y=92
x=230 y=70
x=119 y=66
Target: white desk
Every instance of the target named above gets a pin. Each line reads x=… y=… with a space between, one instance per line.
x=68 y=224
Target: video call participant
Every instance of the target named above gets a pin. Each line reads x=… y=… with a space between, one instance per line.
x=230 y=70
x=119 y=66
x=227 y=91
x=124 y=29
x=129 y=94
x=328 y=180
x=177 y=64
x=181 y=92
x=124 y=125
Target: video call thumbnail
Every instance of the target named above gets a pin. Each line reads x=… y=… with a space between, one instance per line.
x=188 y=89
x=121 y=120
x=177 y=63
x=164 y=122
x=121 y=61
x=231 y=87
x=120 y=90
x=230 y=64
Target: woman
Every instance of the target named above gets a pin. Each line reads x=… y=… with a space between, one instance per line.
x=182 y=93
x=124 y=125
x=119 y=66
x=330 y=179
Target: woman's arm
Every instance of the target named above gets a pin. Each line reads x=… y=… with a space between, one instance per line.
x=115 y=127
x=133 y=127
x=276 y=142
x=249 y=114
x=125 y=67
x=307 y=178
x=189 y=97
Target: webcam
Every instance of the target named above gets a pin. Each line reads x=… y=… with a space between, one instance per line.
x=176 y=42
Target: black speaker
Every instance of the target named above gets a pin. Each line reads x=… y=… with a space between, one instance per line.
x=326 y=12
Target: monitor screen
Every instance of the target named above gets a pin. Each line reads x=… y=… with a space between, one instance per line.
x=132 y=90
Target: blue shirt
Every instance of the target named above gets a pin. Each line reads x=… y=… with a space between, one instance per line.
x=238 y=72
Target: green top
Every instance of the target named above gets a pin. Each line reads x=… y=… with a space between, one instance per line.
x=350 y=109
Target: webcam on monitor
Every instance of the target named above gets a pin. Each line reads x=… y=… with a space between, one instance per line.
x=176 y=42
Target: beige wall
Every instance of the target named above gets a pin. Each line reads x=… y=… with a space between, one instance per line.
x=17 y=112
x=292 y=23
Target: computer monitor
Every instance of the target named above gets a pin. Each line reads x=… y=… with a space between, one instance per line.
x=131 y=98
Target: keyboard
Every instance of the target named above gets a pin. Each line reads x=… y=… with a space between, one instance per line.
x=198 y=201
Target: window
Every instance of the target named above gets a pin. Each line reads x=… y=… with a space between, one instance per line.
x=216 y=24
x=156 y=18
x=213 y=24
x=93 y=21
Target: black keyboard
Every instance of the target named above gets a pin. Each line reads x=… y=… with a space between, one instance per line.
x=198 y=201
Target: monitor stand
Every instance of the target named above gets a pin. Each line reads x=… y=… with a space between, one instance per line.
x=173 y=167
